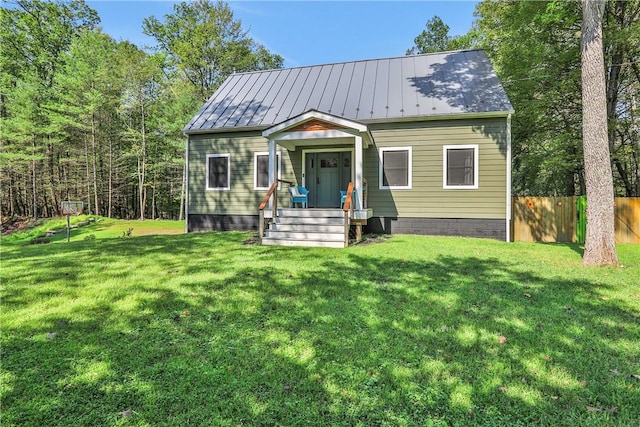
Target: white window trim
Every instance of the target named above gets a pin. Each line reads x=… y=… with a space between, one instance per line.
x=409 y=167
x=445 y=149
x=228 y=186
x=255 y=169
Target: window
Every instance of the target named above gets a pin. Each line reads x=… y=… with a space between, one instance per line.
x=460 y=169
x=261 y=170
x=218 y=172
x=395 y=168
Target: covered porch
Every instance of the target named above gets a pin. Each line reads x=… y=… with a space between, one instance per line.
x=330 y=167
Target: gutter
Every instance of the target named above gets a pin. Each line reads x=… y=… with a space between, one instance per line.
x=186 y=184
x=435 y=117
x=508 y=234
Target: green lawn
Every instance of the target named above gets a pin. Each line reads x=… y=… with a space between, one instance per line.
x=202 y=329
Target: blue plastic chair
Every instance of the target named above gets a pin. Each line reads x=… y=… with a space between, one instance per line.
x=298 y=195
x=343 y=197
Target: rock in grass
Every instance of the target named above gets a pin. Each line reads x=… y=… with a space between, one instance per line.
x=126 y=413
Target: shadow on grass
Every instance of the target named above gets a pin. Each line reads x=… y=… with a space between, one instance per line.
x=216 y=333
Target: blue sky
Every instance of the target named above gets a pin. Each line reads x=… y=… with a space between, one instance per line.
x=308 y=32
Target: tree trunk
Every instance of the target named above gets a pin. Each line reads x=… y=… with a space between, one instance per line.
x=12 y=210
x=142 y=165
x=53 y=179
x=183 y=192
x=110 y=195
x=94 y=165
x=33 y=181
x=600 y=248
x=87 y=174
x=153 y=196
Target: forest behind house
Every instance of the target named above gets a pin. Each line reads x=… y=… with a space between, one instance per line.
x=84 y=117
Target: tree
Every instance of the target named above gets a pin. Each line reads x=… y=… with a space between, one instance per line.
x=600 y=246
x=143 y=75
x=207 y=44
x=85 y=93
x=86 y=118
x=33 y=35
x=436 y=38
x=535 y=49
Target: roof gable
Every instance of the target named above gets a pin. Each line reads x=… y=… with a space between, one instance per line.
x=380 y=90
x=314 y=120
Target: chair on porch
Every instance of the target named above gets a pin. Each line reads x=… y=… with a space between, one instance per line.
x=298 y=194
x=343 y=197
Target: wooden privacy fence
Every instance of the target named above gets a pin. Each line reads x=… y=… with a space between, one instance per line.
x=554 y=219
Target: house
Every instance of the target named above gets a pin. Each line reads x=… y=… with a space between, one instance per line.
x=425 y=141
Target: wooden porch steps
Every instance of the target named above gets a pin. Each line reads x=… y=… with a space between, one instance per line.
x=307 y=227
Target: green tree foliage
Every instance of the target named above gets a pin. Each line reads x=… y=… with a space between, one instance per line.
x=142 y=74
x=436 y=38
x=207 y=44
x=535 y=47
x=33 y=35
x=86 y=118
x=82 y=102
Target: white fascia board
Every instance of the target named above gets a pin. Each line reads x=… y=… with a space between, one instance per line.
x=284 y=137
x=310 y=115
x=223 y=130
x=435 y=117
x=313 y=134
x=186 y=185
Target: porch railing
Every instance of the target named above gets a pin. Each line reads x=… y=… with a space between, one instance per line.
x=347 y=208
x=272 y=193
x=365 y=193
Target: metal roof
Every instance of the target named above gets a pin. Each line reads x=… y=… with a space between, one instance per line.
x=377 y=90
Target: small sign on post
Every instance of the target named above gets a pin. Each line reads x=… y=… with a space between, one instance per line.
x=70 y=207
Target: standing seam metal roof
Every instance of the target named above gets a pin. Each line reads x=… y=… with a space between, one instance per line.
x=388 y=89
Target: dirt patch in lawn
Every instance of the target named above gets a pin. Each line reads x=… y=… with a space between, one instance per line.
x=252 y=241
x=369 y=239
x=16 y=224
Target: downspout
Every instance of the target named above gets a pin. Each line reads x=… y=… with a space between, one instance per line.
x=508 y=234
x=186 y=184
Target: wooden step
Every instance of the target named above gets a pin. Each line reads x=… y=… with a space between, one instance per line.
x=311 y=213
x=304 y=235
x=314 y=228
x=309 y=220
x=307 y=243
x=307 y=227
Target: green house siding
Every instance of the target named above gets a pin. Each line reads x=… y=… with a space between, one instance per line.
x=427 y=198
x=241 y=198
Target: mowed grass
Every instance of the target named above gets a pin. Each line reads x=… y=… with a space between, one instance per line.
x=99 y=226
x=202 y=329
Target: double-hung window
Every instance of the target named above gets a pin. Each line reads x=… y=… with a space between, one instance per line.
x=261 y=170
x=395 y=168
x=460 y=167
x=218 y=172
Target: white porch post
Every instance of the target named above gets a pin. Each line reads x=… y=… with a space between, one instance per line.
x=358 y=172
x=272 y=163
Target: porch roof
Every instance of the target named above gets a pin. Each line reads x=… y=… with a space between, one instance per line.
x=314 y=127
x=439 y=85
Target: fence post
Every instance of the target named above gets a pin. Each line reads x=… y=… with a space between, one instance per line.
x=581 y=221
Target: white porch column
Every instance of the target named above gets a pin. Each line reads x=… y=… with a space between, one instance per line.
x=273 y=158
x=358 y=172
x=272 y=161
